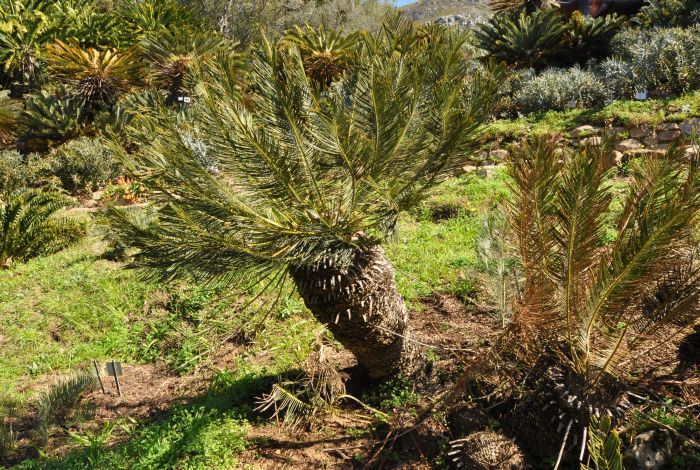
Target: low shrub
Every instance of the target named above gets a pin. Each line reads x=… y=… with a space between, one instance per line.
x=13 y=172
x=84 y=164
x=661 y=61
x=666 y=13
x=558 y=89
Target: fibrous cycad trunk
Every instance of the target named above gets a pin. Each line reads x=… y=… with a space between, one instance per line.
x=363 y=310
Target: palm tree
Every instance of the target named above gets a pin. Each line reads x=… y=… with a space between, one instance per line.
x=327 y=54
x=99 y=76
x=24 y=28
x=28 y=227
x=598 y=305
x=309 y=183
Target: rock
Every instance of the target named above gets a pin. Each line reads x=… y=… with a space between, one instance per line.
x=618 y=132
x=487 y=450
x=585 y=131
x=649 y=153
x=692 y=151
x=639 y=132
x=667 y=136
x=690 y=127
x=651 y=141
x=591 y=141
x=468 y=169
x=667 y=126
x=627 y=145
x=486 y=171
x=616 y=158
x=651 y=450
x=500 y=154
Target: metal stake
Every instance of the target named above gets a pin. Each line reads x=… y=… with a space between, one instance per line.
x=97 y=371
x=116 y=378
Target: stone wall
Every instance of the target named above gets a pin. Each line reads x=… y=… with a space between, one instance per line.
x=629 y=142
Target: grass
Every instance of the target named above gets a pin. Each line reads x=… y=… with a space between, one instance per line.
x=438 y=255
x=63 y=310
x=618 y=113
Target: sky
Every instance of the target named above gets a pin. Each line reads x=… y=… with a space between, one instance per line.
x=404 y=2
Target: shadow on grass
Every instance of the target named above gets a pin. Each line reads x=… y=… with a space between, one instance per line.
x=206 y=432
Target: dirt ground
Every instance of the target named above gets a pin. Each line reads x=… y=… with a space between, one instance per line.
x=345 y=439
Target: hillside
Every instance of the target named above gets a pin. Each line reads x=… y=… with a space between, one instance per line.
x=430 y=10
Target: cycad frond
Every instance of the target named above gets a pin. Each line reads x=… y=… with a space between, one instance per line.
x=603 y=445
x=326 y=54
x=305 y=176
x=28 y=227
x=602 y=305
x=98 y=75
x=172 y=56
x=522 y=39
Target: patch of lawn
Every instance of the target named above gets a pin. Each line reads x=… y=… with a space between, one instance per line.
x=59 y=311
x=434 y=255
x=618 y=113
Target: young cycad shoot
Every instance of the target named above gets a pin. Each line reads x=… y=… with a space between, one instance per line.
x=308 y=177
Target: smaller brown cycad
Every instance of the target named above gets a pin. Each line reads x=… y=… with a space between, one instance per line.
x=602 y=286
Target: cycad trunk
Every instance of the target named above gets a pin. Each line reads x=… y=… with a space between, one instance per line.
x=363 y=310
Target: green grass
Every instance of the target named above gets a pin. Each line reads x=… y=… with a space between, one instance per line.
x=618 y=113
x=432 y=256
x=61 y=311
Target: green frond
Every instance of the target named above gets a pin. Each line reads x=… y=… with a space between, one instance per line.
x=523 y=39
x=604 y=446
x=295 y=175
x=28 y=227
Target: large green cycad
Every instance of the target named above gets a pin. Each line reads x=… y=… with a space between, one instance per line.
x=311 y=180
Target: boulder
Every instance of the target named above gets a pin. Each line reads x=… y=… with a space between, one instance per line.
x=486 y=171
x=692 y=151
x=469 y=169
x=667 y=126
x=649 y=153
x=690 y=127
x=668 y=136
x=591 y=141
x=627 y=145
x=499 y=154
x=650 y=141
x=651 y=450
x=640 y=132
x=585 y=131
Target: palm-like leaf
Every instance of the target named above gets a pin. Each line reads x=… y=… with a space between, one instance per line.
x=598 y=303
x=603 y=446
x=307 y=176
x=99 y=76
x=49 y=120
x=523 y=39
x=327 y=54
x=28 y=227
x=24 y=28
x=173 y=57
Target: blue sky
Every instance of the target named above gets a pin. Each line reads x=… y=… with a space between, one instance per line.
x=404 y=2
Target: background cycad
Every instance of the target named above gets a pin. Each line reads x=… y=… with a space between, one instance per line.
x=28 y=227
